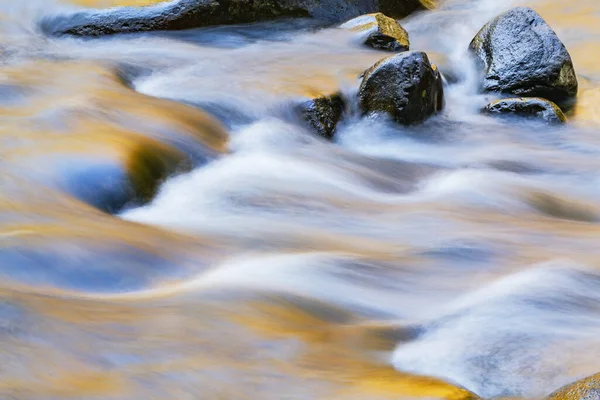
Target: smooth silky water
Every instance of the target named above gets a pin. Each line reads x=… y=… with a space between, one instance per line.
x=393 y=263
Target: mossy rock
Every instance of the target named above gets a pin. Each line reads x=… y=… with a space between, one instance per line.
x=584 y=389
x=380 y=32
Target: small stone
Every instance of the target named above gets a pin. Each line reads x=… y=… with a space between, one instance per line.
x=380 y=32
x=323 y=114
x=532 y=107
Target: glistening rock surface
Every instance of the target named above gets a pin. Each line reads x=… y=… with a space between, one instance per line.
x=520 y=54
x=405 y=86
x=379 y=32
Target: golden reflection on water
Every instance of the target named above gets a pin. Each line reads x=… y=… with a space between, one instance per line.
x=226 y=345
x=260 y=347
x=576 y=23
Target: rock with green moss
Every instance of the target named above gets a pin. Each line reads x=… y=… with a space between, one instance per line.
x=584 y=389
x=530 y=107
x=379 y=32
x=323 y=113
x=186 y=14
x=406 y=86
x=521 y=55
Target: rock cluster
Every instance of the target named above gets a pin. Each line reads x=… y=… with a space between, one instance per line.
x=520 y=55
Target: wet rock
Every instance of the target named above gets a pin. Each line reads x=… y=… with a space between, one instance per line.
x=521 y=54
x=323 y=114
x=185 y=14
x=405 y=86
x=584 y=389
x=533 y=107
x=380 y=32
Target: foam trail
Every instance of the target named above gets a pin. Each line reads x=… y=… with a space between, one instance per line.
x=519 y=336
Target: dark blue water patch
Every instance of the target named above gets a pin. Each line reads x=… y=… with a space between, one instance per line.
x=465 y=252
x=237 y=36
x=105 y=186
x=11 y=95
x=84 y=267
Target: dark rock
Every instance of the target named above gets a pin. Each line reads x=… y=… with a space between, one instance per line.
x=323 y=114
x=584 y=389
x=380 y=32
x=534 y=107
x=405 y=86
x=185 y=14
x=522 y=55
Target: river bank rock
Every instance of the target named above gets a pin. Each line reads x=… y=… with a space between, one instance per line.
x=379 y=32
x=533 y=107
x=186 y=14
x=520 y=54
x=323 y=113
x=405 y=86
x=584 y=389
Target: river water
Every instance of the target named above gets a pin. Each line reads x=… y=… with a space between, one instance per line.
x=393 y=263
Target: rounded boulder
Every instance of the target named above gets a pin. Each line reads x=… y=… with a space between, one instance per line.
x=406 y=86
x=520 y=54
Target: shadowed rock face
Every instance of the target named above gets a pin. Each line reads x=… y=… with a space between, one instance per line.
x=405 y=86
x=521 y=54
x=184 y=14
x=535 y=107
x=322 y=114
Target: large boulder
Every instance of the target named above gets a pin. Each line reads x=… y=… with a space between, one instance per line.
x=532 y=107
x=322 y=114
x=379 y=32
x=520 y=54
x=584 y=389
x=184 y=14
x=405 y=86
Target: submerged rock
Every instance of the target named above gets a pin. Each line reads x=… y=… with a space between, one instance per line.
x=185 y=14
x=522 y=55
x=405 y=86
x=323 y=114
x=380 y=32
x=584 y=389
x=533 y=107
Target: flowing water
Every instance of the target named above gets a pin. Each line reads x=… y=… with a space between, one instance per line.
x=393 y=263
